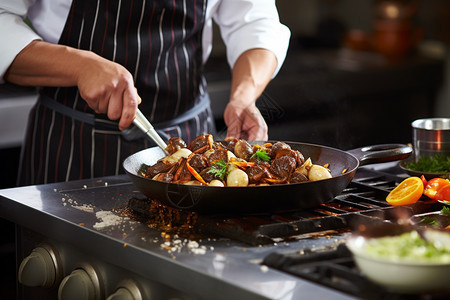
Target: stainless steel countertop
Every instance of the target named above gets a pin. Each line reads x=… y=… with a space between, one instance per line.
x=228 y=269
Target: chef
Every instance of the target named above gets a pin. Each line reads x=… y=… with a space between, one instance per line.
x=96 y=62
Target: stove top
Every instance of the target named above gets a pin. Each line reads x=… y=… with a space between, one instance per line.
x=285 y=256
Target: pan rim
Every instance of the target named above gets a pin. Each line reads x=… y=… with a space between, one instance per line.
x=255 y=186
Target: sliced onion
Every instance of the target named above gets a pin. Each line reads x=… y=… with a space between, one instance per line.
x=317 y=172
x=171 y=159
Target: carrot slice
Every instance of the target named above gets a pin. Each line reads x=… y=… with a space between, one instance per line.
x=193 y=172
x=275 y=180
x=243 y=164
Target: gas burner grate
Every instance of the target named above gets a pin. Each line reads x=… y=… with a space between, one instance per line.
x=260 y=230
x=362 y=202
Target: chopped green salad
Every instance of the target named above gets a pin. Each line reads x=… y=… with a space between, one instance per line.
x=409 y=247
x=431 y=164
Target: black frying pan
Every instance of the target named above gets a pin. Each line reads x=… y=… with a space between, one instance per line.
x=260 y=199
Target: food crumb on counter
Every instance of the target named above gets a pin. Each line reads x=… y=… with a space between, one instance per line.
x=108 y=219
x=85 y=207
x=195 y=248
x=176 y=245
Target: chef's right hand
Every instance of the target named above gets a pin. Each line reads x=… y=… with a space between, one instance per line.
x=108 y=88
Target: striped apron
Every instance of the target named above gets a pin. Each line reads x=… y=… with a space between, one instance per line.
x=159 y=42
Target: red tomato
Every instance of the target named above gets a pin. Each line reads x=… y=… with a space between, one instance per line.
x=443 y=193
x=433 y=186
x=424 y=181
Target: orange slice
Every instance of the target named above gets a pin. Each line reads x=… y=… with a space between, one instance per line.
x=407 y=192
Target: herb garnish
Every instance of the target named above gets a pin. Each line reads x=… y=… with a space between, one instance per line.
x=445 y=210
x=433 y=164
x=430 y=221
x=219 y=169
x=261 y=155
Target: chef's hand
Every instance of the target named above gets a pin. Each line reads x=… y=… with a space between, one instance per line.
x=108 y=88
x=252 y=72
x=245 y=122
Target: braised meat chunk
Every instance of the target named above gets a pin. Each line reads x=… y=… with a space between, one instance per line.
x=201 y=143
x=175 y=144
x=198 y=162
x=277 y=147
x=283 y=167
x=257 y=173
x=216 y=155
x=159 y=167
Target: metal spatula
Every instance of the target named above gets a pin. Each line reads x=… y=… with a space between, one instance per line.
x=143 y=124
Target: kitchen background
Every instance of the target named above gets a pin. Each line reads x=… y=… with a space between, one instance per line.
x=358 y=72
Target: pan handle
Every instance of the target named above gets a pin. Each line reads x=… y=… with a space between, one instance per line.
x=381 y=153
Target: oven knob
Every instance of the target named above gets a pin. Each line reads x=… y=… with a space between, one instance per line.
x=81 y=284
x=127 y=290
x=39 y=269
x=121 y=294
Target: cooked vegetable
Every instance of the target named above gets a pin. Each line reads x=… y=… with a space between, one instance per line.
x=193 y=170
x=237 y=177
x=304 y=168
x=317 y=172
x=216 y=182
x=233 y=163
x=175 y=157
x=432 y=164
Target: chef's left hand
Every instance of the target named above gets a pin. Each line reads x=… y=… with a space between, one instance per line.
x=252 y=72
x=245 y=122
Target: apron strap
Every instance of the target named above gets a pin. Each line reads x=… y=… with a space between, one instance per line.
x=131 y=133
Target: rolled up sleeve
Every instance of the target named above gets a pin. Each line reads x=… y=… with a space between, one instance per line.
x=250 y=24
x=15 y=34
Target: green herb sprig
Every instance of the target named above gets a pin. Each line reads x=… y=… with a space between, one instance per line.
x=445 y=210
x=219 y=169
x=261 y=155
x=430 y=221
x=433 y=164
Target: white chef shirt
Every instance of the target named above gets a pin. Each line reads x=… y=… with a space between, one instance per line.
x=244 y=25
